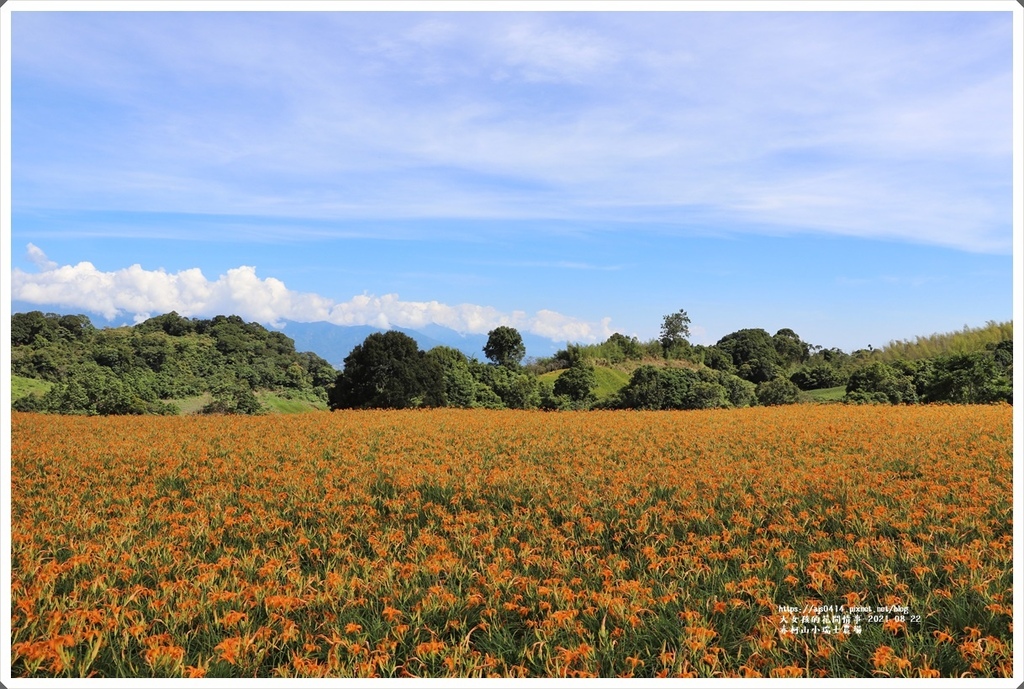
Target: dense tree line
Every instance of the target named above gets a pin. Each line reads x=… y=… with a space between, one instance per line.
x=388 y=370
x=972 y=378
x=137 y=369
x=975 y=366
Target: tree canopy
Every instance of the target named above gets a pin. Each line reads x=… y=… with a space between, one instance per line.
x=753 y=354
x=675 y=328
x=388 y=371
x=577 y=383
x=505 y=346
x=139 y=369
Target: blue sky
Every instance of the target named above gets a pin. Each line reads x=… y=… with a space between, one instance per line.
x=846 y=175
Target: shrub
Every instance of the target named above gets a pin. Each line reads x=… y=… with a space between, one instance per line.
x=777 y=391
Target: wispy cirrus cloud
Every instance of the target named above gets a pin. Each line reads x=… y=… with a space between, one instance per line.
x=878 y=125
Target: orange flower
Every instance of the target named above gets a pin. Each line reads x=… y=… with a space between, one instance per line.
x=788 y=671
x=881 y=657
x=428 y=647
x=894 y=626
x=472 y=520
x=228 y=649
x=233 y=617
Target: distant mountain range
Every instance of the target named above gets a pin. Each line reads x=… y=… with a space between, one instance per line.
x=334 y=342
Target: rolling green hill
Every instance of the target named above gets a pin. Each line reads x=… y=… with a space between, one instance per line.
x=609 y=380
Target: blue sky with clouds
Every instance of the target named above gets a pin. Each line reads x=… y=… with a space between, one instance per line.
x=846 y=175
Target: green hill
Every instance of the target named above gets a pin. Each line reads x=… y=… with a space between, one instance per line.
x=23 y=387
x=164 y=365
x=609 y=380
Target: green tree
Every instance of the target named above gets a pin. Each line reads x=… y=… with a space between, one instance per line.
x=170 y=323
x=68 y=398
x=75 y=327
x=878 y=381
x=650 y=387
x=975 y=378
x=818 y=376
x=753 y=354
x=629 y=347
x=718 y=359
x=388 y=371
x=460 y=388
x=675 y=328
x=320 y=371
x=777 y=391
x=644 y=390
x=26 y=326
x=739 y=392
x=577 y=383
x=790 y=348
x=131 y=369
x=516 y=389
x=505 y=347
x=232 y=395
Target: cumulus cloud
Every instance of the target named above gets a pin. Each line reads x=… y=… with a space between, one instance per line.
x=143 y=293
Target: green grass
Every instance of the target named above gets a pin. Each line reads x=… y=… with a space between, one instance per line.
x=609 y=381
x=192 y=405
x=276 y=404
x=824 y=395
x=551 y=376
x=22 y=387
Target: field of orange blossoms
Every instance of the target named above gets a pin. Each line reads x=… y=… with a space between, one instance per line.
x=501 y=543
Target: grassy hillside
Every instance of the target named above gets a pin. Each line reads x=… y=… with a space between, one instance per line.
x=609 y=380
x=276 y=404
x=21 y=386
x=824 y=395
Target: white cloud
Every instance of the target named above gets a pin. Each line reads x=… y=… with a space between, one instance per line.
x=142 y=293
x=36 y=255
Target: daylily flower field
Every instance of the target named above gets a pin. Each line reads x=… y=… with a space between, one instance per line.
x=808 y=540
